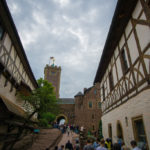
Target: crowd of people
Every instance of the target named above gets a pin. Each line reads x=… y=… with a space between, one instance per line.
x=107 y=145
x=69 y=146
x=90 y=145
x=67 y=128
x=98 y=145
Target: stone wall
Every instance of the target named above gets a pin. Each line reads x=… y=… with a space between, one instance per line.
x=85 y=116
x=68 y=111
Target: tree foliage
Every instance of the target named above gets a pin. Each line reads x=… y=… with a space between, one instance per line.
x=100 y=130
x=43 y=99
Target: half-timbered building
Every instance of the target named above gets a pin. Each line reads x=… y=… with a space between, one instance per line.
x=15 y=76
x=124 y=74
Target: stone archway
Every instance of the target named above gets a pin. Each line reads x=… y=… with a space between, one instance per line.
x=61 y=116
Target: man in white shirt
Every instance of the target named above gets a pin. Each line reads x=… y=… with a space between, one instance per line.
x=134 y=145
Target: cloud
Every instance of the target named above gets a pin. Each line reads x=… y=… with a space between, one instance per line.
x=73 y=31
x=62 y=3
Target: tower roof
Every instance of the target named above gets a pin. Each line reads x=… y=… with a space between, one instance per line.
x=79 y=94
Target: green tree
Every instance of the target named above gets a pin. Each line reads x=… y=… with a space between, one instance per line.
x=43 y=100
x=100 y=130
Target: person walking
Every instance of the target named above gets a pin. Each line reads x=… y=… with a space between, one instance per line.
x=68 y=130
x=108 y=144
x=134 y=145
x=88 y=146
x=77 y=145
x=96 y=143
x=116 y=146
x=68 y=146
x=102 y=145
x=56 y=147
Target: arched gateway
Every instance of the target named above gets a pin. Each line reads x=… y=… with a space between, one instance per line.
x=60 y=117
x=67 y=111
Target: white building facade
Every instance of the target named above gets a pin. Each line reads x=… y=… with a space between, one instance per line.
x=124 y=74
x=15 y=72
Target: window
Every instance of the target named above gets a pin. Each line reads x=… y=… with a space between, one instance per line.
x=124 y=62
x=92 y=116
x=139 y=132
x=99 y=105
x=93 y=127
x=95 y=91
x=53 y=72
x=103 y=92
x=111 y=82
x=1 y=32
x=90 y=104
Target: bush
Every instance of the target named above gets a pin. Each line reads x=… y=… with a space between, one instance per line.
x=43 y=123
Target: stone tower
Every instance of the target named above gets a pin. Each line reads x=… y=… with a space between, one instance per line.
x=52 y=74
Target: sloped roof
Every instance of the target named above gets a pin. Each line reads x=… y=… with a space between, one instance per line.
x=78 y=94
x=123 y=12
x=8 y=23
x=66 y=101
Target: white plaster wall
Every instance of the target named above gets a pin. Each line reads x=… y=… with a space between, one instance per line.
x=1 y=53
x=122 y=41
x=139 y=105
x=137 y=10
x=132 y=48
x=12 y=54
x=7 y=42
x=128 y=29
x=114 y=75
x=126 y=56
x=143 y=33
x=17 y=61
x=119 y=68
x=147 y=61
x=108 y=87
x=116 y=53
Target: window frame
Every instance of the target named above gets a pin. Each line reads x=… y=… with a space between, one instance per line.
x=134 y=119
x=111 y=80
x=103 y=92
x=124 y=62
x=99 y=105
x=89 y=104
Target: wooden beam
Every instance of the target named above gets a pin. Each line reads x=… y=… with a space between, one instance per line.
x=141 y=21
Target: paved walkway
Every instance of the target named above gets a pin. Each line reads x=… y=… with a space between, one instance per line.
x=72 y=136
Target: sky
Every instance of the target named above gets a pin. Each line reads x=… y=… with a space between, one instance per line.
x=72 y=31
